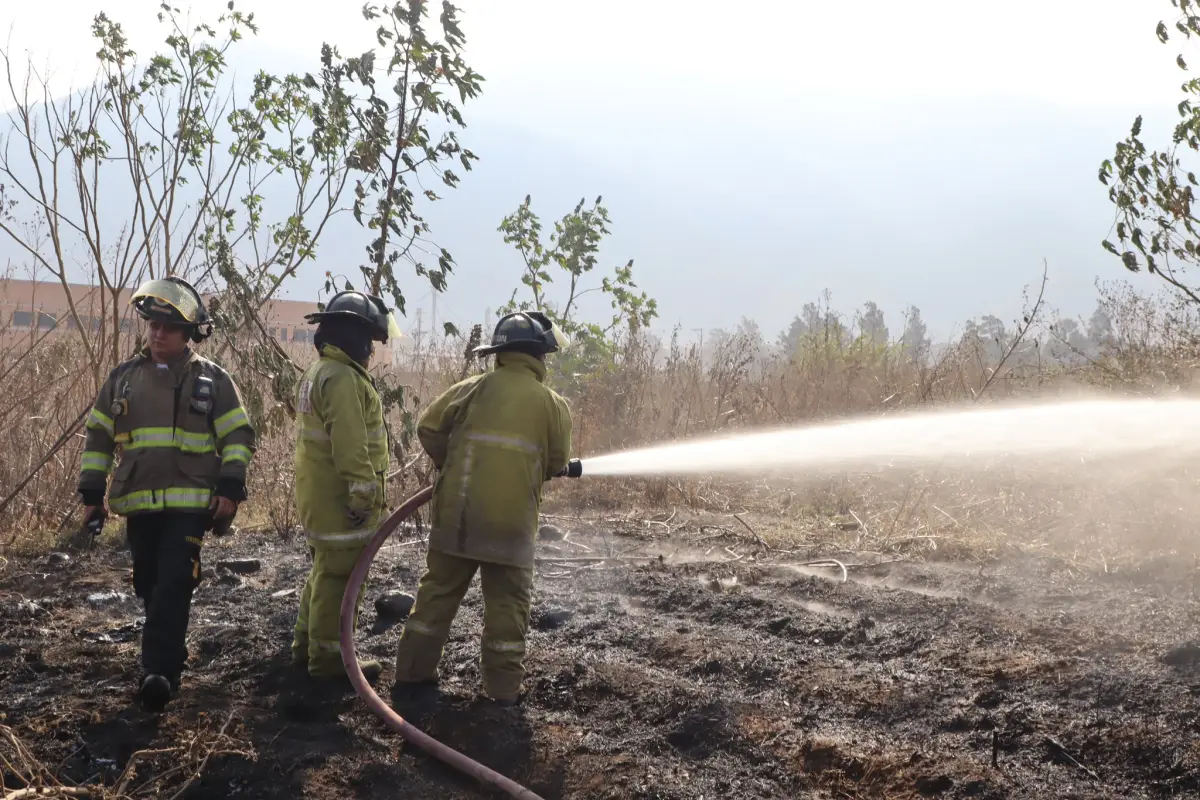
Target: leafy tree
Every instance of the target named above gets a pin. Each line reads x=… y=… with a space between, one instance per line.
x=989 y=331
x=1154 y=193
x=157 y=168
x=789 y=340
x=871 y=324
x=915 y=339
x=160 y=167
x=752 y=332
x=572 y=253
x=1100 y=328
x=1068 y=343
x=420 y=80
x=747 y=335
x=817 y=321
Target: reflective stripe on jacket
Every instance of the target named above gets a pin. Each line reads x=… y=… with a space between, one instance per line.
x=171 y=454
x=495 y=439
x=341 y=450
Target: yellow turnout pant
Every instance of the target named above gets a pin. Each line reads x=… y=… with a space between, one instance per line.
x=507 y=597
x=316 y=636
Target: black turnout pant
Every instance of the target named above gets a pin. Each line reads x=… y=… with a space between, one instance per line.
x=166 y=571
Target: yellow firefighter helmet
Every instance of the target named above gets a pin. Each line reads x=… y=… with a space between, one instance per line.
x=174 y=301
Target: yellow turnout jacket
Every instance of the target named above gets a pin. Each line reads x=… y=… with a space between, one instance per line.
x=495 y=439
x=341 y=450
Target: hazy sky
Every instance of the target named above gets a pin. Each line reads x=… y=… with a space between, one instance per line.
x=930 y=152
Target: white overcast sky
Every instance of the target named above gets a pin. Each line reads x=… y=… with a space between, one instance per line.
x=751 y=154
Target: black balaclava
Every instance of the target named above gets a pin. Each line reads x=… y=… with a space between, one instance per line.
x=349 y=335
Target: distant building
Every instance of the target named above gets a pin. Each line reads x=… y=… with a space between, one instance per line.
x=31 y=309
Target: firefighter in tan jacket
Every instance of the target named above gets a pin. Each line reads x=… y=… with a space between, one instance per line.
x=185 y=442
x=495 y=439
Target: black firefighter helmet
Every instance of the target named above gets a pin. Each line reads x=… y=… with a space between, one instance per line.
x=359 y=306
x=525 y=332
x=173 y=301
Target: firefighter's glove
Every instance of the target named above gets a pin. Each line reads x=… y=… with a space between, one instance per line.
x=94 y=518
x=222 y=508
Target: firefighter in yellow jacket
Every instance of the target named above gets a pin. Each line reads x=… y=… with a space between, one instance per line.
x=494 y=438
x=186 y=443
x=341 y=469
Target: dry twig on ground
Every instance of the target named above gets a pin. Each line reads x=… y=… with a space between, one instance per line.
x=1060 y=749
x=190 y=759
x=753 y=532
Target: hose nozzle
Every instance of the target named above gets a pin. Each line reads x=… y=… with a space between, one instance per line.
x=573 y=469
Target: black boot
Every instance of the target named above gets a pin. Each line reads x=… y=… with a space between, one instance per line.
x=416 y=700
x=154 y=693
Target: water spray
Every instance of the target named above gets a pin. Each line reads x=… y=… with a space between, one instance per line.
x=410 y=733
x=1061 y=433
x=1075 y=430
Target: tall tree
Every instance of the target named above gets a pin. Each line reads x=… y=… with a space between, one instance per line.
x=987 y=336
x=1068 y=343
x=871 y=324
x=915 y=338
x=421 y=77
x=789 y=339
x=1100 y=328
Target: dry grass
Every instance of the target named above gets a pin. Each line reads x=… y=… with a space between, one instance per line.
x=165 y=772
x=656 y=391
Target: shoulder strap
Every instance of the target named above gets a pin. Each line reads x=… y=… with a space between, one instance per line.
x=211 y=371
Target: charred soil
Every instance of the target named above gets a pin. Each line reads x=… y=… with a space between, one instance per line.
x=673 y=678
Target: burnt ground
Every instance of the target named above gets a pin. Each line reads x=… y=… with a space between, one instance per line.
x=750 y=679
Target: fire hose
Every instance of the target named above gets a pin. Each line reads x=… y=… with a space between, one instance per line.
x=406 y=729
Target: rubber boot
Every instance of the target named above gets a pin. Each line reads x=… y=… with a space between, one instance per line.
x=154 y=693
x=416 y=700
x=408 y=691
